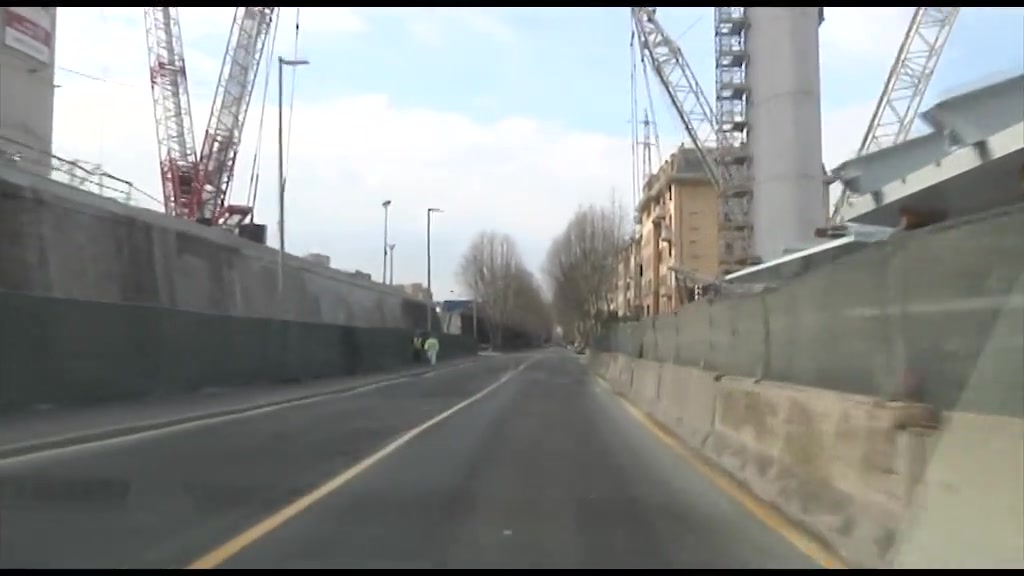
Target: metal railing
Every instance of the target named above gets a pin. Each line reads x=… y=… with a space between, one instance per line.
x=86 y=176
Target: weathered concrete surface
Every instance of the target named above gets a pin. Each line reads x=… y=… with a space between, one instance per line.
x=905 y=319
x=935 y=319
x=837 y=463
x=102 y=301
x=968 y=510
x=56 y=240
x=58 y=351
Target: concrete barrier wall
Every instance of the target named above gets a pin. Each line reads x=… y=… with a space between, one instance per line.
x=968 y=508
x=839 y=464
x=906 y=319
x=59 y=351
x=878 y=401
x=56 y=240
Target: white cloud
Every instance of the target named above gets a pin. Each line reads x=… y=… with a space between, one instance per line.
x=329 y=19
x=433 y=25
x=347 y=156
x=863 y=33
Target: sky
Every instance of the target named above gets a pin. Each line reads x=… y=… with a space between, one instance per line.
x=505 y=118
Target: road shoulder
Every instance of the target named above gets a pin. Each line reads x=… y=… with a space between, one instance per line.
x=44 y=429
x=769 y=515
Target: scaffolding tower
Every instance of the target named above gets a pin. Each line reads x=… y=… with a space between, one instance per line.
x=733 y=155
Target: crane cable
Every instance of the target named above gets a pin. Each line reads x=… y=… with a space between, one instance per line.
x=291 y=100
x=633 y=122
x=654 y=118
x=254 y=175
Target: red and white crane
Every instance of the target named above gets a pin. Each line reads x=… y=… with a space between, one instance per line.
x=196 y=186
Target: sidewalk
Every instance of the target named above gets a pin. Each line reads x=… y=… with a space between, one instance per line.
x=40 y=429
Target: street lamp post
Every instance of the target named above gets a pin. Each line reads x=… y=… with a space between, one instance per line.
x=391 y=280
x=281 y=63
x=430 y=289
x=384 y=271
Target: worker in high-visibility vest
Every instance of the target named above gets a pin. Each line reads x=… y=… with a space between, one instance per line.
x=432 y=345
x=417 y=346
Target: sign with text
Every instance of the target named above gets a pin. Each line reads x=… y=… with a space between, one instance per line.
x=29 y=30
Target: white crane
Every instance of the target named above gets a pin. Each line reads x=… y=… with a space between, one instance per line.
x=723 y=156
x=718 y=135
x=906 y=85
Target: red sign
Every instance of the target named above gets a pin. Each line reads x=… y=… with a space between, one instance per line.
x=29 y=30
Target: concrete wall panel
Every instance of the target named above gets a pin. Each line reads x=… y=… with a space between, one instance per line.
x=63 y=351
x=907 y=320
x=56 y=240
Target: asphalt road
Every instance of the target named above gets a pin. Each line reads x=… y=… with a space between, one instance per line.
x=509 y=462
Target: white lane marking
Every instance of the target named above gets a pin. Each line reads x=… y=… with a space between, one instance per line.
x=172 y=428
x=226 y=551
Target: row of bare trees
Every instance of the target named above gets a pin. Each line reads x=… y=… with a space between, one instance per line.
x=493 y=271
x=581 y=267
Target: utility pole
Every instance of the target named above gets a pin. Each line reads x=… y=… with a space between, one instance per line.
x=430 y=288
x=281 y=63
x=384 y=270
x=391 y=280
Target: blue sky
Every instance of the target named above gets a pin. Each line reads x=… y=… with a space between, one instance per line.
x=569 y=66
x=506 y=118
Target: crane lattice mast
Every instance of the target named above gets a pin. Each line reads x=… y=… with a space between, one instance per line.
x=195 y=185
x=172 y=110
x=249 y=32
x=907 y=83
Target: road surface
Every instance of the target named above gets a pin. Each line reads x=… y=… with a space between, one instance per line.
x=507 y=462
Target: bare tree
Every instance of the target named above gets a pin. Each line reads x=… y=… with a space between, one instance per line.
x=532 y=311
x=493 y=271
x=581 y=266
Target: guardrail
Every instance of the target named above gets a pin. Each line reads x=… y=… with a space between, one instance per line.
x=86 y=176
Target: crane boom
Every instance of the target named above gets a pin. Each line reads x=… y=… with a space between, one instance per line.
x=242 y=58
x=680 y=84
x=172 y=109
x=724 y=159
x=909 y=77
x=907 y=83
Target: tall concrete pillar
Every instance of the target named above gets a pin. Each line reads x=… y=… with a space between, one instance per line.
x=785 y=128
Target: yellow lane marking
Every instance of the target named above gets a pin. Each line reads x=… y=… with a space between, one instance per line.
x=224 y=552
x=765 y=512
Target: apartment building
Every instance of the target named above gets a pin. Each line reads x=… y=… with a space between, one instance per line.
x=679 y=214
x=624 y=297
